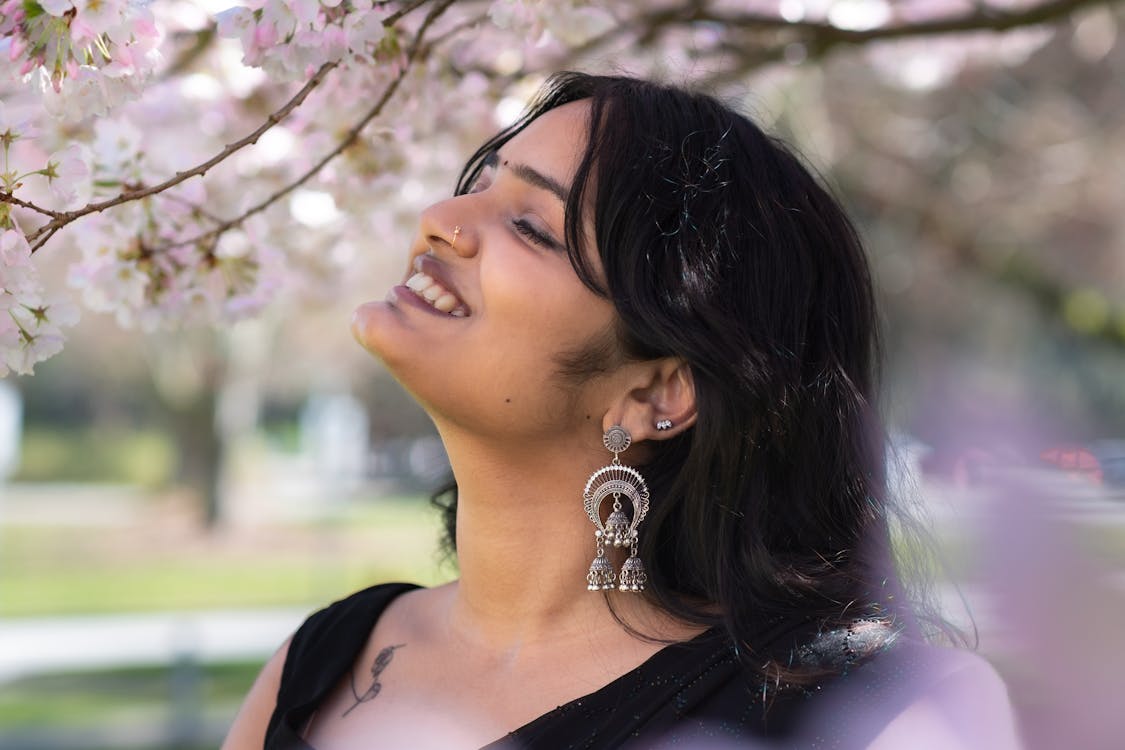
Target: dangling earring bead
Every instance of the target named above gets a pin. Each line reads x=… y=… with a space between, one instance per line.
x=616 y=480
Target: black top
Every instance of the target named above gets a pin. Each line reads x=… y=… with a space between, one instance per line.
x=686 y=694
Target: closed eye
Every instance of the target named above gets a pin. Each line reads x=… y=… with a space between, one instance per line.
x=534 y=235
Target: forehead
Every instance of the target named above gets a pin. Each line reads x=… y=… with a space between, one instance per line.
x=553 y=142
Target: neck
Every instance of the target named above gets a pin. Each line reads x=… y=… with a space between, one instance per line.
x=524 y=542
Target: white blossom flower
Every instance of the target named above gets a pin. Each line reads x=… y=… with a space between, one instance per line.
x=17 y=275
x=74 y=46
x=305 y=11
x=15 y=123
x=22 y=358
x=117 y=143
x=278 y=15
x=69 y=176
x=85 y=95
x=56 y=7
x=96 y=17
x=237 y=23
x=364 y=31
x=30 y=328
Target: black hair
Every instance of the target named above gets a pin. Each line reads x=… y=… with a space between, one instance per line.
x=719 y=247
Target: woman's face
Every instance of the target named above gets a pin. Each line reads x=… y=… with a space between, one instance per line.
x=490 y=316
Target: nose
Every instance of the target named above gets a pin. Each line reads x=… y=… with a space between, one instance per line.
x=445 y=224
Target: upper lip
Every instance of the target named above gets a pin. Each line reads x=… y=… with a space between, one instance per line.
x=439 y=272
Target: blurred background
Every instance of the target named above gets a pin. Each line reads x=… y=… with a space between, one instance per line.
x=172 y=505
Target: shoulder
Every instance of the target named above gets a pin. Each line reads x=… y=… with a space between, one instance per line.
x=328 y=638
x=360 y=607
x=327 y=643
x=249 y=727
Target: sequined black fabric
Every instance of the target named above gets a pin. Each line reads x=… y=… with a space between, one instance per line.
x=688 y=695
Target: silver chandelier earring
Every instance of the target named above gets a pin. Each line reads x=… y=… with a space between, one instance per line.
x=616 y=481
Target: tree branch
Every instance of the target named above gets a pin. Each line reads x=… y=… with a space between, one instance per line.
x=981 y=19
x=6 y=197
x=407 y=9
x=62 y=218
x=348 y=139
x=820 y=36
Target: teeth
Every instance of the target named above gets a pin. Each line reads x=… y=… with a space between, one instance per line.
x=425 y=287
x=419 y=281
x=445 y=302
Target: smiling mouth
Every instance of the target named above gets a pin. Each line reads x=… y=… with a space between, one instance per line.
x=436 y=296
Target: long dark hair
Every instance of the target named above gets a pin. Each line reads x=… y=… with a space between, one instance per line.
x=720 y=247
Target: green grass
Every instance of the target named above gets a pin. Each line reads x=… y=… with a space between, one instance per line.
x=49 y=570
x=142 y=458
x=159 y=563
x=82 y=705
x=79 y=698
x=182 y=585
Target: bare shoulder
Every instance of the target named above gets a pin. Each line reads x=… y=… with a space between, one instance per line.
x=248 y=732
x=963 y=706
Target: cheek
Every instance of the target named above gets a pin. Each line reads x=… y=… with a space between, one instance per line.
x=538 y=292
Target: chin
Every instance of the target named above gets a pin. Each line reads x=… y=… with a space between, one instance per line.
x=369 y=322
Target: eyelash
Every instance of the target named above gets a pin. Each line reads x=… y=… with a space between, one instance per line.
x=531 y=233
x=522 y=226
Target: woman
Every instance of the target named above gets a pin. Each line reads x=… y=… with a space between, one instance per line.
x=646 y=336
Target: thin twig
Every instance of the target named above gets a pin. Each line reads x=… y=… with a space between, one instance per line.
x=63 y=218
x=6 y=197
x=349 y=138
x=818 y=37
x=60 y=219
x=43 y=240
x=409 y=8
x=193 y=206
x=457 y=28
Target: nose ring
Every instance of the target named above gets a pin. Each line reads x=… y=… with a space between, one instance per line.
x=456 y=232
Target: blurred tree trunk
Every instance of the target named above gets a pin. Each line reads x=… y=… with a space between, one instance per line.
x=199 y=449
x=188 y=373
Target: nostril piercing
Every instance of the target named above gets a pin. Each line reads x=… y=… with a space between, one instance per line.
x=456 y=232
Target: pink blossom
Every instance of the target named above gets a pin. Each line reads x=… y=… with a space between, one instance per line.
x=56 y=7
x=70 y=44
x=68 y=174
x=15 y=124
x=30 y=329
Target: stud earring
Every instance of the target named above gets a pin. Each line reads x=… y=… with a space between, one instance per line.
x=616 y=480
x=453 y=242
x=664 y=424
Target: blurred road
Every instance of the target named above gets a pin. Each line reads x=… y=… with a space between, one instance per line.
x=68 y=644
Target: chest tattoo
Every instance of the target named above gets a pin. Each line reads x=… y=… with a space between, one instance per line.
x=382 y=661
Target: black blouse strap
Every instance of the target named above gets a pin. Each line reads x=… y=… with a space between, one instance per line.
x=322 y=651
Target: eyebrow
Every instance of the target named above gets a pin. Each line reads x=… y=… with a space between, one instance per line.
x=530 y=175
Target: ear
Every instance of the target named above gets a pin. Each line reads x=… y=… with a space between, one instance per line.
x=661 y=391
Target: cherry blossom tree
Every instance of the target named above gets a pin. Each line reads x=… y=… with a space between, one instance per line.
x=191 y=161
